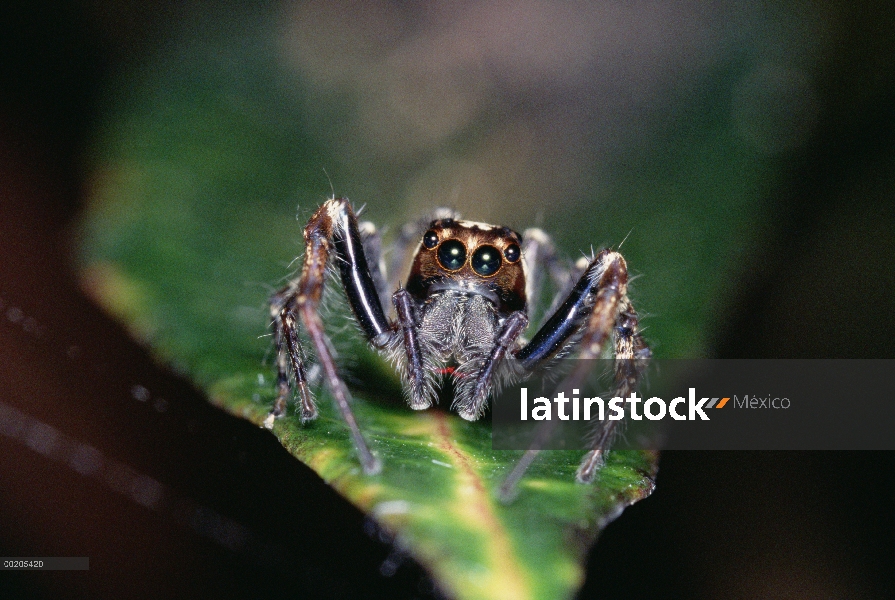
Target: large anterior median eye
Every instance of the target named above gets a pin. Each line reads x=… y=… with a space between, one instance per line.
x=452 y=255
x=486 y=260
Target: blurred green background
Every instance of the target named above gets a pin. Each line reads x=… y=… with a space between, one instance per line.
x=704 y=137
x=744 y=151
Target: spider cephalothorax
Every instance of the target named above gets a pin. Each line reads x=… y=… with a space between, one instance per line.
x=466 y=284
x=462 y=311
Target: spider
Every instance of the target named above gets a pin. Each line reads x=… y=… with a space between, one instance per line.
x=462 y=312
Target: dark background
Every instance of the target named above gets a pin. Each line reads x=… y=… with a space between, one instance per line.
x=725 y=524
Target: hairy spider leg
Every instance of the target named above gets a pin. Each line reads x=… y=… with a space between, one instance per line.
x=285 y=332
x=612 y=314
x=631 y=359
x=416 y=364
x=596 y=308
x=570 y=319
x=333 y=229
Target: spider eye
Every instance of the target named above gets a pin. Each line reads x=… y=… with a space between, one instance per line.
x=486 y=260
x=430 y=240
x=512 y=253
x=452 y=255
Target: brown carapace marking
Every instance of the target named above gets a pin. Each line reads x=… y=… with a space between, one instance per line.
x=506 y=283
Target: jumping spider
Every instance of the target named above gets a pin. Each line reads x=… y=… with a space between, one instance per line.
x=465 y=303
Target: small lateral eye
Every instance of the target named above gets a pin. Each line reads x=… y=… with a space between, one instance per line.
x=430 y=240
x=512 y=253
x=486 y=260
x=452 y=255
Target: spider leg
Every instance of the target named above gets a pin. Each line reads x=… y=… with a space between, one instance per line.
x=289 y=354
x=596 y=308
x=333 y=229
x=612 y=313
x=576 y=313
x=418 y=377
x=631 y=358
x=372 y=243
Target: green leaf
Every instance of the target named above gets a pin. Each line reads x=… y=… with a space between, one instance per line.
x=437 y=492
x=182 y=242
x=206 y=150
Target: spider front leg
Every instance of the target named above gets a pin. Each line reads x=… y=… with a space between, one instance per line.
x=331 y=232
x=596 y=308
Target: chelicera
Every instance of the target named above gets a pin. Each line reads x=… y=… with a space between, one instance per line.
x=462 y=312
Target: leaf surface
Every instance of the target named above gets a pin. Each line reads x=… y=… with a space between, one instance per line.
x=204 y=154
